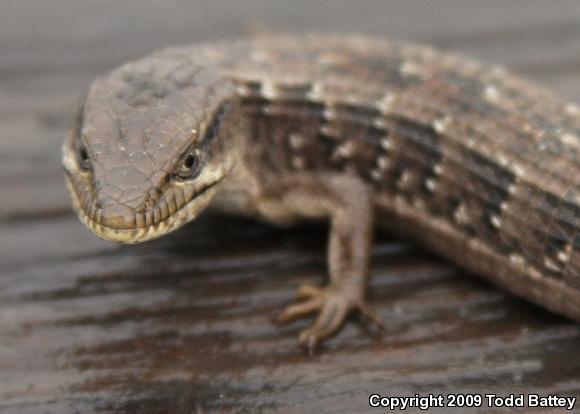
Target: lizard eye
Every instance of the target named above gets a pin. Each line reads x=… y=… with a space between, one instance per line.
x=189 y=166
x=83 y=156
x=82 y=153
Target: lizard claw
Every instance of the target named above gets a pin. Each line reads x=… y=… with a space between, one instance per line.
x=308 y=292
x=311 y=297
x=333 y=306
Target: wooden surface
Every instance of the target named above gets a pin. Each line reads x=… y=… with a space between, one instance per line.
x=184 y=324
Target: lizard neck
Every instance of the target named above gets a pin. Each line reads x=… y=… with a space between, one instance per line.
x=240 y=188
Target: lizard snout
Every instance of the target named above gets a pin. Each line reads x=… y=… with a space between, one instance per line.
x=117 y=216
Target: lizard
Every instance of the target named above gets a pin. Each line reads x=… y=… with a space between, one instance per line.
x=472 y=161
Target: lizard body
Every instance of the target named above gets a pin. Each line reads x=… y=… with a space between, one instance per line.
x=470 y=160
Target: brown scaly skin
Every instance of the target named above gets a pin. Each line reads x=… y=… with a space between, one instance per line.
x=479 y=165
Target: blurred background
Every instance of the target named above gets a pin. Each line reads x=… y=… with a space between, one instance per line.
x=183 y=324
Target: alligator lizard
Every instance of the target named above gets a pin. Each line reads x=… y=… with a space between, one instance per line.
x=475 y=163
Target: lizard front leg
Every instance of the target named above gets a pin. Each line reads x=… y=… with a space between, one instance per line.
x=347 y=202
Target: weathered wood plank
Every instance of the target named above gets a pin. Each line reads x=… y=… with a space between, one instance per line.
x=187 y=319
x=184 y=324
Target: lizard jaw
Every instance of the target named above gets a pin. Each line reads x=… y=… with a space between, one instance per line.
x=185 y=214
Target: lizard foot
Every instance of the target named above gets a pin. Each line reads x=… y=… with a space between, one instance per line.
x=333 y=306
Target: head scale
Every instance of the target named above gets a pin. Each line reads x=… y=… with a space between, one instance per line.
x=150 y=145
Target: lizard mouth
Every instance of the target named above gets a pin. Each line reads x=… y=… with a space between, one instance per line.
x=141 y=227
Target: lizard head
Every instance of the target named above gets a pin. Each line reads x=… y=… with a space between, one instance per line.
x=150 y=144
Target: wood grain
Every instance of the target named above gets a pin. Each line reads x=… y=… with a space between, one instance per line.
x=183 y=324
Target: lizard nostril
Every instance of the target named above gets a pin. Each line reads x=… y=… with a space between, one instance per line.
x=118 y=217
